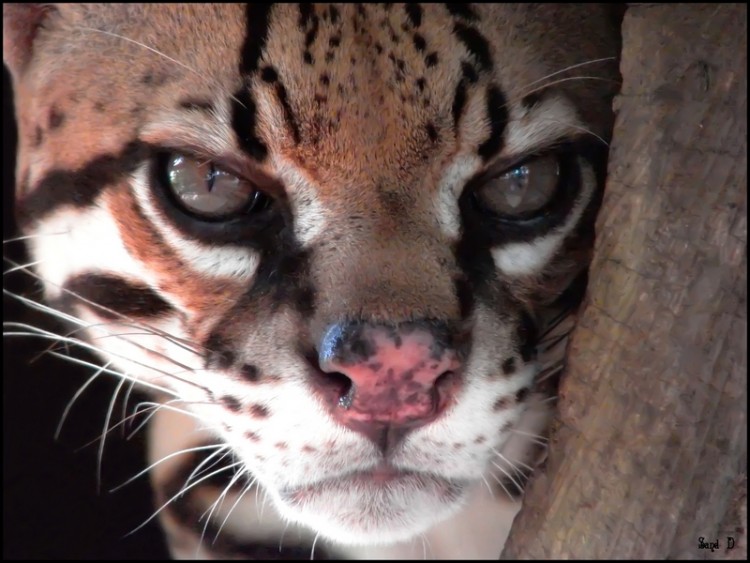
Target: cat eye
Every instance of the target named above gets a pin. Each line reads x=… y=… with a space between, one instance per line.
x=521 y=191
x=205 y=190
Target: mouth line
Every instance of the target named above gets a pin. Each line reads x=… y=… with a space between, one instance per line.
x=380 y=477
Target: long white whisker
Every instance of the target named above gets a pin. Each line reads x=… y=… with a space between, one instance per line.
x=155 y=51
x=124 y=414
x=37 y=235
x=312 y=549
x=567 y=68
x=41 y=333
x=22 y=267
x=75 y=398
x=508 y=475
x=100 y=453
x=234 y=505
x=118 y=374
x=162 y=460
x=172 y=338
x=216 y=505
x=181 y=492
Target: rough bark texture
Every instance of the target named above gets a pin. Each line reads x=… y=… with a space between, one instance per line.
x=650 y=450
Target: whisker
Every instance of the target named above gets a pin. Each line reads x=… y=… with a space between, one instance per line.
x=123 y=415
x=500 y=482
x=157 y=407
x=567 y=68
x=312 y=549
x=508 y=475
x=28 y=237
x=155 y=51
x=162 y=460
x=118 y=374
x=54 y=312
x=234 y=505
x=216 y=505
x=41 y=333
x=22 y=267
x=536 y=438
x=181 y=492
x=75 y=398
x=100 y=453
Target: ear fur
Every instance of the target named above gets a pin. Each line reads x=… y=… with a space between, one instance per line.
x=21 y=25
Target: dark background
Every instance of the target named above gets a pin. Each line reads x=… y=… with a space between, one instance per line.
x=51 y=508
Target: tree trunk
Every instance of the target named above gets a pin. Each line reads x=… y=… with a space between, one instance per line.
x=649 y=453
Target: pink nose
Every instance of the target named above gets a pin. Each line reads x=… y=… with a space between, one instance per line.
x=383 y=381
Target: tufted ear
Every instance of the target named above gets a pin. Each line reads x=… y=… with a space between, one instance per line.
x=21 y=24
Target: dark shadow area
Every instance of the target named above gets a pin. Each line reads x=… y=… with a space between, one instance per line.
x=51 y=507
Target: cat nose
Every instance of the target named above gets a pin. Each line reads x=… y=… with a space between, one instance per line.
x=384 y=381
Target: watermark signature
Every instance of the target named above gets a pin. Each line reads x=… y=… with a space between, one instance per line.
x=714 y=544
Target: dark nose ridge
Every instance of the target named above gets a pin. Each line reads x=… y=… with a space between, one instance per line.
x=384 y=381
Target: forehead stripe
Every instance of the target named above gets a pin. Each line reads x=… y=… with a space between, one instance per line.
x=242 y=104
x=243 y=124
x=498 y=113
x=81 y=187
x=257 y=16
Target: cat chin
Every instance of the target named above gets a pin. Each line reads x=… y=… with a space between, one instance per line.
x=360 y=509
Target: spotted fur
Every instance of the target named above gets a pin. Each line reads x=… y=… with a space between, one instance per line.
x=369 y=127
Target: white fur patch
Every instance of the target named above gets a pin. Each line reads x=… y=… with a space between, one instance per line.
x=528 y=258
x=455 y=176
x=208 y=130
x=76 y=241
x=551 y=119
x=311 y=218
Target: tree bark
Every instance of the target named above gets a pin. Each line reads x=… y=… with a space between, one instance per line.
x=649 y=453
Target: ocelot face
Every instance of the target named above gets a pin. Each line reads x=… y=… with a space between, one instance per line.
x=333 y=234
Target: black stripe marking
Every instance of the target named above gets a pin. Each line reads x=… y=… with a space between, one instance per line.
x=308 y=19
x=527 y=337
x=38 y=137
x=509 y=366
x=476 y=44
x=288 y=115
x=459 y=99
x=81 y=187
x=117 y=296
x=414 y=13
x=269 y=74
x=220 y=354
x=465 y=294
x=431 y=132
x=232 y=403
x=462 y=11
x=256 y=16
x=243 y=123
x=469 y=72
x=531 y=100
x=335 y=14
x=56 y=118
x=498 y=113
x=250 y=373
x=419 y=43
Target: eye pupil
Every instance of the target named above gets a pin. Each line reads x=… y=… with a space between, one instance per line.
x=523 y=189
x=203 y=189
x=210 y=177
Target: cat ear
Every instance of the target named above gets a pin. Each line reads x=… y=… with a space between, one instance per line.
x=21 y=24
